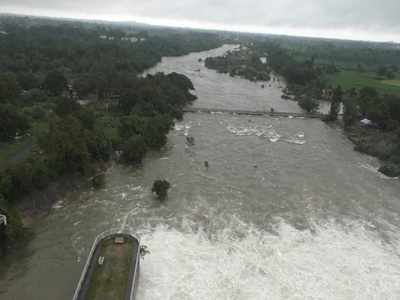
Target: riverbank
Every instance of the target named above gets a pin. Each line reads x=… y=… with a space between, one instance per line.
x=32 y=208
x=287 y=202
x=305 y=87
x=379 y=144
x=80 y=141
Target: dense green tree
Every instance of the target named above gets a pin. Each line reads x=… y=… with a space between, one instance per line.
x=367 y=98
x=33 y=96
x=350 y=111
x=98 y=143
x=390 y=75
x=156 y=131
x=8 y=87
x=132 y=125
x=337 y=99
x=134 y=149
x=55 y=83
x=85 y=85
x=160 y=188
x=28 y=80
x=66 y=145
x=309 y=104
x=392 y=104
x=12 y=122
x=66 y=106
x=382 y=71
x=16 y=180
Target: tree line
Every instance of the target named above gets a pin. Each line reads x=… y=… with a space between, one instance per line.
x=48 y=67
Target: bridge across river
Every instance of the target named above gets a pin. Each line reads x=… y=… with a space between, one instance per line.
x=254 y=112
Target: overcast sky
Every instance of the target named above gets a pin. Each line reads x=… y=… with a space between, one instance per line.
x=353 y=19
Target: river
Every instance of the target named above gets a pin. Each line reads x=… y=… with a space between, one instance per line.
x=286 y=210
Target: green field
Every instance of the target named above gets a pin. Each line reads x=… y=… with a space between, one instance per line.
x=395 y=82
x=354 y=79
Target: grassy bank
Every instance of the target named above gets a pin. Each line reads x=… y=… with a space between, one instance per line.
x=354 y=79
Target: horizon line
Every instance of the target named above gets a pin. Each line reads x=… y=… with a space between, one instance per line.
x=196 y=26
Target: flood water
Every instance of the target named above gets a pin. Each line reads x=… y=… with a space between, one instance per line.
x=285 y=210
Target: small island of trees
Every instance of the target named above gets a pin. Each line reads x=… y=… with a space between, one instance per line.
x=160 y=188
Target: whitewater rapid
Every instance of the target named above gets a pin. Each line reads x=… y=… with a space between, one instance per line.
x=242 y=262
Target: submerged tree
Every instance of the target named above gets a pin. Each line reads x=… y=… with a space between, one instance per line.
x=337 y=98
x=161 y=187
x=309 y=104
x=134 y=149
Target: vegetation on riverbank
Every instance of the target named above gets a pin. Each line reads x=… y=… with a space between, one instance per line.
x=71 y=97
x=380 y=135
x=160 y=188
x=361 y=77
x=243 y=63
x=375 y=142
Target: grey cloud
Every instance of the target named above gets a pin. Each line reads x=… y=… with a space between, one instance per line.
x=372 y=17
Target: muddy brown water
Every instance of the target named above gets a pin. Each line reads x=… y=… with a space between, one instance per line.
x=285 y=210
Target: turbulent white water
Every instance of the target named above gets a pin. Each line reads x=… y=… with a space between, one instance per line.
x=285 y=210
x=331 y=262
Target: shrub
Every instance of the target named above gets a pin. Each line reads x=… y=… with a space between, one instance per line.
x=161 y=187
x=99 y=181
x=134 y=149
x=391 y=170
x=309 y=104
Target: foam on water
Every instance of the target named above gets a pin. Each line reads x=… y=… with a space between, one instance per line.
x=58 y=205
x=331 y=262
x=179 y=127
x=266 y=132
